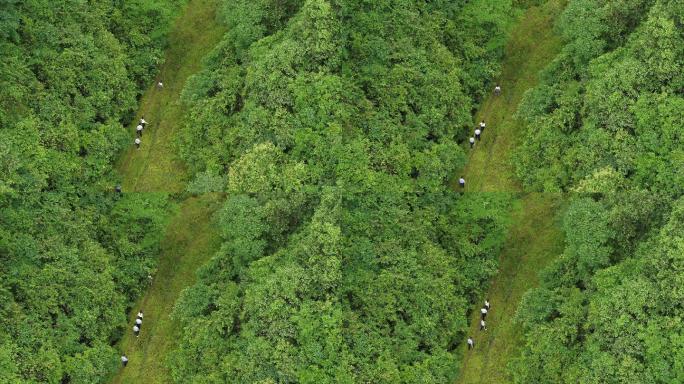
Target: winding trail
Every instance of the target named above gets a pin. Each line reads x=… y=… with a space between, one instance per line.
x=534 y=238
x=190 y=239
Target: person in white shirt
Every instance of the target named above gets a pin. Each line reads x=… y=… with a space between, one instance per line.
x=136 y=330
x=139 y=130
x=483 y=312
x=124 y=360
x=471 y=343
x=140 y=315
x=138 y=322
x=497 y=90
x=483 y=326
x=487 y=304
x=472 y=141
x=482 y=125
x=477 y=134
x=137 y=142
x=461 y=182
x=142 y=121
x=160 y=85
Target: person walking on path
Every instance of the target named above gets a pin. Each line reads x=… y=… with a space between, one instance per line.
x=138 y=323
x=117 y=189
x=487 y=304
x=471 y=343
x=139 y=130
x=136 y=331
x=137 y=142
x=461 y=182
x=472 y=141
x=483 y=312
x=477 y=134
x=497 y=90
x=482 y=125
x=143 y=122
x=483 y=325
x=140 y=315
x=124 y=360
x=160 y=85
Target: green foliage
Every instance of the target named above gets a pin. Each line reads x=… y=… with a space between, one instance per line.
x=345 y=258
x=623 y=329
x=72 y=255
x=618 y=115
x=141 y=26
x=606 y=124
x=206 y=182
x=481 y=41
x=587 y=233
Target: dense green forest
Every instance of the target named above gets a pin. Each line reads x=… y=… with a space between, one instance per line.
x=330 y=132
x=333 y=126
x=72 y=254
x=606 y=125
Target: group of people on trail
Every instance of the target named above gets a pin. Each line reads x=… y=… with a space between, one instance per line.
x=477 y=136
x=139 y=131
x=478 y=133
x=483 y=325
x=138 y=324
x=139 y=134
x=136 y=332
x=141 y=124
x=483 y=313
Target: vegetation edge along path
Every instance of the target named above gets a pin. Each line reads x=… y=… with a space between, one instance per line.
x=189 y=240
x=534 y=237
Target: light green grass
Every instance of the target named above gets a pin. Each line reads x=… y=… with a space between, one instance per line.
x=155 y=166
x=190 y=239
x=534 y=237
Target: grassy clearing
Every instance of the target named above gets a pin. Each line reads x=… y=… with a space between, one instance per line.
x=534 y=238
x=190 y=239
x=155 y=166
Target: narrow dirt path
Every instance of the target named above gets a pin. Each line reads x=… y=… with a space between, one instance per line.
x=534 y=238
x=190 y=239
